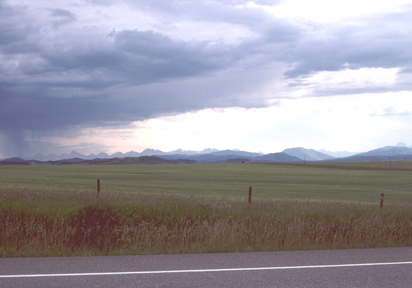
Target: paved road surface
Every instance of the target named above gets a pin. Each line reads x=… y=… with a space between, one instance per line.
x=388 y=267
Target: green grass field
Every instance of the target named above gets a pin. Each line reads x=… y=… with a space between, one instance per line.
x=359 y=182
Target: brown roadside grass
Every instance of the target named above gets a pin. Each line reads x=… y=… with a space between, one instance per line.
x=74 y=223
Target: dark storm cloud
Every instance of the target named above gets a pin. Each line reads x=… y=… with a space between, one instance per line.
x=77 y=81
x=11 y=29
x=56 y=73
x=149 y=57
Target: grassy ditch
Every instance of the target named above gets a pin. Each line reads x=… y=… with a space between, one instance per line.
x=75 y=223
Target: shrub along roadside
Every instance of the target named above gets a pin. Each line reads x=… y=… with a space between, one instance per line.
x=73 y=223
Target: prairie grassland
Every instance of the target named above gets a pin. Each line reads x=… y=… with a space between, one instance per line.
x=160 y=209
x=75 y=223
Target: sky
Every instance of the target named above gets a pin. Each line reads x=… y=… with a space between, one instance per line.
x=262 y=76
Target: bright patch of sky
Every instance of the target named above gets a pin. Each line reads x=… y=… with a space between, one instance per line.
x=341 y=122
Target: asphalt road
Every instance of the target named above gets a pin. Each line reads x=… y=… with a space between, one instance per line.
x=387 y=267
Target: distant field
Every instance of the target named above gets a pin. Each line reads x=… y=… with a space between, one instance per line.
x=360 y=181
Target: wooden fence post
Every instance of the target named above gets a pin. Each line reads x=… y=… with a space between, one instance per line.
x=98 y=187
x=382 y=200
x=250 y=195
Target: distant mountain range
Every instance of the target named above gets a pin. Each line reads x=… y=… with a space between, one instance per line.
x=387 y=153
x=308 y=154
x=102 y=155
x=151 y=156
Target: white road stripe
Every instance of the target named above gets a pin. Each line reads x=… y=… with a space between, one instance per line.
x=204 y=270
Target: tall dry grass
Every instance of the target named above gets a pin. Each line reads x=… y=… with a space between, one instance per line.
x=69 y=223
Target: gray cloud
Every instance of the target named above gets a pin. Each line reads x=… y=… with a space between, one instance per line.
x=62 y=17
x=381 y=43
x=151 y=57
x=11 y=29
x=224 y=11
